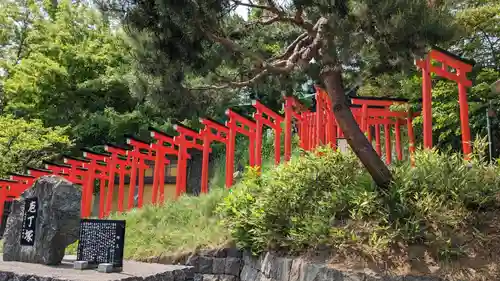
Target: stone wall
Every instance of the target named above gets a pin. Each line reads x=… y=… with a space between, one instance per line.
x=217 y=265
x=233 y=265
x=270 y=267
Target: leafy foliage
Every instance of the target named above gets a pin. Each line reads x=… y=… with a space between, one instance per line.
x=326 y=199
x=27 y=143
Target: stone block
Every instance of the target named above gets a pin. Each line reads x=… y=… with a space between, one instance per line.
x=267 y=264
x=227 y=278
x=198 y=277
x=248 y=273
x=105 y=268
x=233 y=253
x=312 y=271
x=214 y=253
x=210 y=277
x=283 y=267
x=179 y=275
x=194 y=261
x=232 y=266
x=81 y=265
x=205 y=265
x=253 y=261
x=56 y=224
x=219 y=266
x=298 y=270
x=167 y=276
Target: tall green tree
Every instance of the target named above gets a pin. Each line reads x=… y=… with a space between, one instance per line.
x=75 y=63
x=73 y=68
x=27 y=143
x=366 y=35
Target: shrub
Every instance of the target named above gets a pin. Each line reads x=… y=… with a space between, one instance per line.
x=326 y=198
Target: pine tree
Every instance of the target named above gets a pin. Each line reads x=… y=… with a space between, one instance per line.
x=367 y=36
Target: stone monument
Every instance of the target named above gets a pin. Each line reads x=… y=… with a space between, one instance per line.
x=43 y=222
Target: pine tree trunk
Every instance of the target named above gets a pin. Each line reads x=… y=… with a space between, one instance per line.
x=357 y=140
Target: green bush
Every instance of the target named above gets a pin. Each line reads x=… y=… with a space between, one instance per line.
x=327 y=199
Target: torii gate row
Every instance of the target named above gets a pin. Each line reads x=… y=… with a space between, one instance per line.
x=13 y=188
x=367 y=104
x=315 y=127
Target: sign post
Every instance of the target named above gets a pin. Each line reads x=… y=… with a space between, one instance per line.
x=101 y=242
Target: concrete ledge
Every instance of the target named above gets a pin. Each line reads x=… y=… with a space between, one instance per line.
x=132 y=271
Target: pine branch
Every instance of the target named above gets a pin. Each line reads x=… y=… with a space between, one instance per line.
x=299 y=52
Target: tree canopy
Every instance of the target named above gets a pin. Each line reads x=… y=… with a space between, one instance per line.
x=99 y=69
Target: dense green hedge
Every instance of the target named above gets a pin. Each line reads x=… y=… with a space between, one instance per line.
x=327 y=199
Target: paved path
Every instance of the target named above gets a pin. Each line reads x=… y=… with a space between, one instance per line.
x=132 y=271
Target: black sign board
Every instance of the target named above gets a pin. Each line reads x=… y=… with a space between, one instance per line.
x=101 y=241
x=28 y=230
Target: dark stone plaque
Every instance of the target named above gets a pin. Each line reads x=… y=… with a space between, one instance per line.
x=101 y=241
x=28 y=230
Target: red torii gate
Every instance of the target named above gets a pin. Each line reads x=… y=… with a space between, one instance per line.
x=324 y=115
x=78 y=169
x=26 y=180
x=96 y=170
x=163 y=146
x=187 y=139
x=57 y=169
x=140 y=152
x=9 y=189
x=117 y=163
x=293 y=109
x=35 y=172
x=221 y=135
x=238 y=124
x=265 y=116
x=458 y=73
x=371 y=107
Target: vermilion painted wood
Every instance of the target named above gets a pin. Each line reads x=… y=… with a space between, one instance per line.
x=137 y=156
x=459 y=75
x=26 y=180
x=324 y=118
x=238 y=124
x=378 y=147
x=96 y=170
x=397 y=132
x=186 y=139
x=220 y=135
x=9 y=189
x=388 y=149
x=164 y=145
x=267 y=117
x=78 y=169
x=117 y=164
x=293 y=110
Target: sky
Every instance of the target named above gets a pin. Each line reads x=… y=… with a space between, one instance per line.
x=242 y=11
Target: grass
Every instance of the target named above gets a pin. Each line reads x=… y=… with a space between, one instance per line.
x=176 y=227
